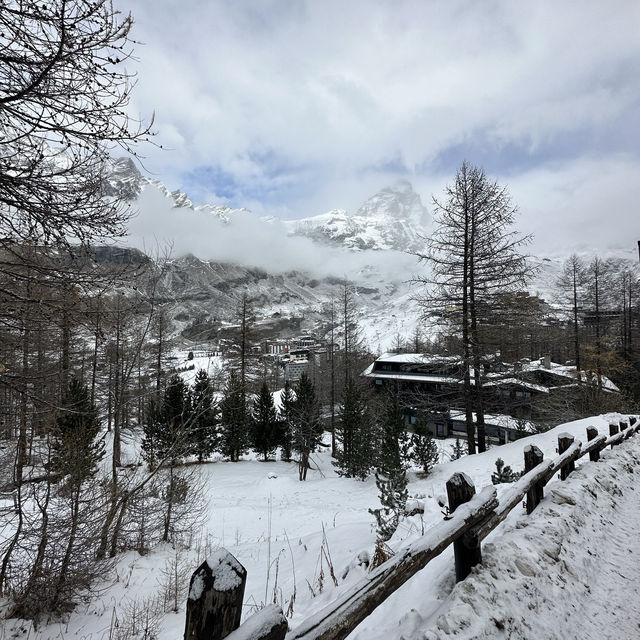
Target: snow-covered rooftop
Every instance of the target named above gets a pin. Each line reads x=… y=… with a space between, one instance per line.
x=417 y=358
x=567 y=371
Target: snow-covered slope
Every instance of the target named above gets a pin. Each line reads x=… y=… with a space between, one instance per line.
x=292 y=536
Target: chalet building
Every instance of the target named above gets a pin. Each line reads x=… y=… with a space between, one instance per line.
x=432 y=384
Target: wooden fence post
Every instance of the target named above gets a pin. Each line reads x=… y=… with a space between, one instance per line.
x=460 y=489
x=613 y=429
x=623 y=426
x=592 y=433
x=632 y=421
x=564 y=442
x=216 y=590
x=532 y=458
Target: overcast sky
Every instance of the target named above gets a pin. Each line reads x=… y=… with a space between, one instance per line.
x=294 y=107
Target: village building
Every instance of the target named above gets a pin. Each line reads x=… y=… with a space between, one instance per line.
x=433 y=385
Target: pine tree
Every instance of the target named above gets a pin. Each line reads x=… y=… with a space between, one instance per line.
x=204 y=423
x=354 y=457
x=233 y=432
x=166 y=427
x=286 y=420
x=264 y=423
x=76 y=452
x=75 y=456
x=458 y=450
x=503 y=473
x=391 y=478
x=152 y=428
x=425 y=449
x=307 y=429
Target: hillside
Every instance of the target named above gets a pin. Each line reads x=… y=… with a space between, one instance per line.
x=294 y=268
x=291 y=535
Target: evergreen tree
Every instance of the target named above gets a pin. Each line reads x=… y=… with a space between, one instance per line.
x=166 y=427
x=152 y=428
x=204 y=423
x=354 y=457
x=425 y=449
x=76 y=452
x=75 y=456
x=458 y=450
x=503 y=473
x=233 y=432
x=391 y=478
x=307 y=429
x=286 y=420
x=264 y=423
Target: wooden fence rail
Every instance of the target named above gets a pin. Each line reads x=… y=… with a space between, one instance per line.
x=217 y=585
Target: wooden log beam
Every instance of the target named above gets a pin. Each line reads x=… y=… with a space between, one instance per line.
x=512 y=497
x=267 y=624
x=214 y=604
x=594 y=451
x=612 y=441
x=339 y=618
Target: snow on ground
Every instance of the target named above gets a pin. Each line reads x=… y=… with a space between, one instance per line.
x=295 y=537
x=212 y=364
x=570 y=570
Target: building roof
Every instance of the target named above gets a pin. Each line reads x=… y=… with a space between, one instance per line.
x=417 y=358
x=567 y=371
x=497 y=382
x=417 y=377
x=498 y=420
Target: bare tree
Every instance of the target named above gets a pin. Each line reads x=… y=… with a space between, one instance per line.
x=571 y=285
x=472 y=255
x=64 y=92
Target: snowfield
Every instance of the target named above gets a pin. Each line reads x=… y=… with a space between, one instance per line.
x=570 y=570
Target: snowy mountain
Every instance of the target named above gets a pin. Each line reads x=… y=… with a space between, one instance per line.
x=292 y=269
x=392 y=219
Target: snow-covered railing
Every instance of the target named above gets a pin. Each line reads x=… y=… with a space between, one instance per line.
x=217 y=586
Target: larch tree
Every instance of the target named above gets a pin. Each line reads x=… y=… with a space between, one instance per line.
x=64 y=92
x=472 y=255
x=76 y=453
x=571 y=285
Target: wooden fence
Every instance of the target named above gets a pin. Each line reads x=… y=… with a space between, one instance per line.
x=217 y=587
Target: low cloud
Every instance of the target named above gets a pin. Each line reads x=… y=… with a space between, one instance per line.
x=250 y=241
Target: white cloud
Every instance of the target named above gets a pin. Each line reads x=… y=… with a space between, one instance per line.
x=249 y=241
x=302 y=104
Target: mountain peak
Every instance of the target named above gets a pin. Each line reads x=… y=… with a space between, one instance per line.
x=399 y=201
